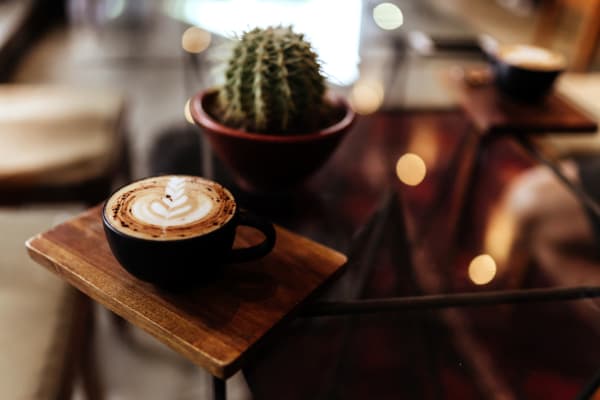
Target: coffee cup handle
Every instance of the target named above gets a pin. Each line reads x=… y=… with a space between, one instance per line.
x=259 y=250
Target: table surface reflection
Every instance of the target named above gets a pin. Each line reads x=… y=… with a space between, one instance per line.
x=436 y=237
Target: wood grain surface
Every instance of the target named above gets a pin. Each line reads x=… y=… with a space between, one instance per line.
x=493 y=113
x=217 y=325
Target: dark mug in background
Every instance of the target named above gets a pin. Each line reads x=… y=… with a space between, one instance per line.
x=526 y=73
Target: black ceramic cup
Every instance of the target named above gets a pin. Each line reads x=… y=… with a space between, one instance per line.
x=526 y=73
x=187 y=262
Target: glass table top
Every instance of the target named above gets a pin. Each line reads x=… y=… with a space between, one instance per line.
x=488 y=216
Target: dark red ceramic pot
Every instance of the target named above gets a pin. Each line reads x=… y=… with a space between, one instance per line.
x=264 y=162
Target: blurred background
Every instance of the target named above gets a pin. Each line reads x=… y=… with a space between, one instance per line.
x=94 y=93
x=134 y=47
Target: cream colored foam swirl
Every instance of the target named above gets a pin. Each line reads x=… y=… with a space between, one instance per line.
x=155 y=212
x=174 y=208
x=170 y=207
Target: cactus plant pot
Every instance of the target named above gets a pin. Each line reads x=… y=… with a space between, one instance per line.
x=266 y=162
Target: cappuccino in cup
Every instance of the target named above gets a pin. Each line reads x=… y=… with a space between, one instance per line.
x=177 y=230
x=170 y=208
x=526 y=73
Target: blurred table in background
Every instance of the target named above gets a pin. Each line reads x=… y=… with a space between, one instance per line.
x=493 y=113
x=57 y=140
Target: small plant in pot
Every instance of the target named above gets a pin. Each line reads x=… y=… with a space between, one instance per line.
x=272 y=122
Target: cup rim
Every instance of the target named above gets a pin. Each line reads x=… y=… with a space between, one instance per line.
x=116 y=231
x=562 y=64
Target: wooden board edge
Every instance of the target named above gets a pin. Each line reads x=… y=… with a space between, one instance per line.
x=221 y=369
x=239 y=362
x=342 y=258
x=213 y=366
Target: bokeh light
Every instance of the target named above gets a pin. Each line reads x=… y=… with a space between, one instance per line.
x=188 y=113
x=388 y=16
x=425 y=141
x=114 y=8
x=195 y=40
x=500 y=234
x=421 y=42
x=411 y=169
x=482 y=269
x=366 y=96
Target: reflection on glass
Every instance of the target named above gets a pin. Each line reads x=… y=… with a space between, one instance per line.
x=482 y=269
x=500 y=234
x=188 y=113
x=388 y=16
x=425 y=142
x=195 y=40
x=411 y=169
x=366 y=96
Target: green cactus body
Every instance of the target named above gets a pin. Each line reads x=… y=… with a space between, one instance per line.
x=273 y=84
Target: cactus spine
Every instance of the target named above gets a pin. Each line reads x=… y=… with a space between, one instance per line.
x=273 y=84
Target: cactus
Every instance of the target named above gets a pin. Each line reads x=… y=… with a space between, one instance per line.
x=273 y=84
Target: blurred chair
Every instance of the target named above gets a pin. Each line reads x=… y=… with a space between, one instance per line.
x=62 y=146
x=558 y=230
x=21 y=23
x=556 y=233
x=588 y=33
x=59 y=143
x=41 y=317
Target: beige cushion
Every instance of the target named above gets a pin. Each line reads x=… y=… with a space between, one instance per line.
x=36 y=309
x=57 y=135
x=584 y=91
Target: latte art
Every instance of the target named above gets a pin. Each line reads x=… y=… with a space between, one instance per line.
x=174 y=208
x=170 y=207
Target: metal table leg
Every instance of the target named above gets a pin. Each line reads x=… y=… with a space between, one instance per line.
x=586 y=201
x=219 y=389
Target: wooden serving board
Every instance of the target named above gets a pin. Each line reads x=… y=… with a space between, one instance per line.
x=493 y=113
x=216 y=325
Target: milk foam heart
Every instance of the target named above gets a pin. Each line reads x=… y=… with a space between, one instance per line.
x=170 y=207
